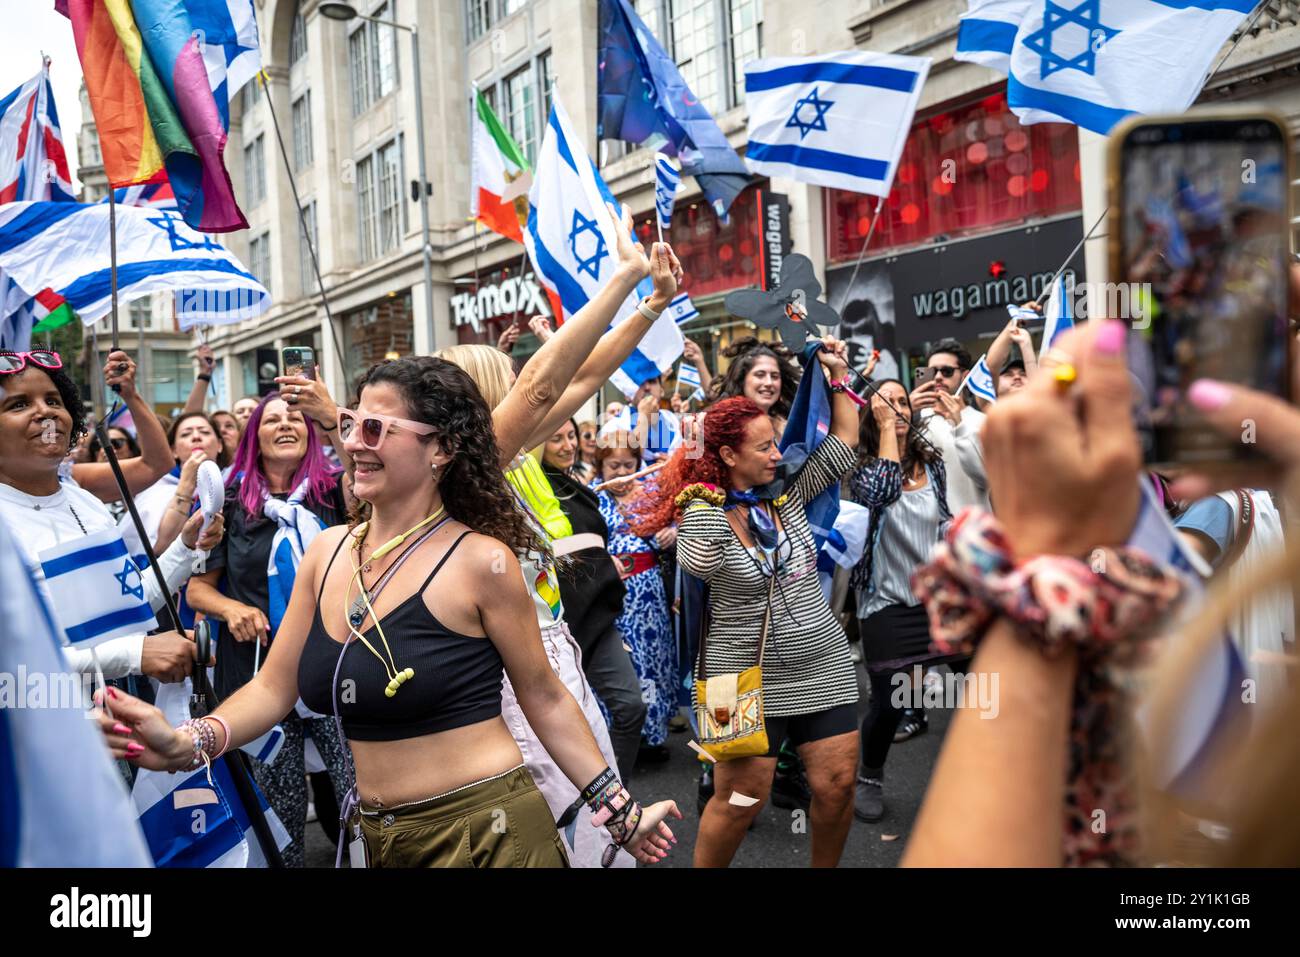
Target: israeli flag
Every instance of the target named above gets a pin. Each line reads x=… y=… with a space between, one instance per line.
x=986 y=32
x=191 y=822
x=682 y=309
x=573 y=246
x=1058 y=313
x=97 y=589
x=839 y=120
x=62 y=803
x=667 y=183
x=1094 y=62
x=1022 y=313
x=688 y=375
x=980 y=381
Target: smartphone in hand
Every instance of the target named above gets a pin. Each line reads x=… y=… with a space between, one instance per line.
x=1198 y=248
x=298 y=360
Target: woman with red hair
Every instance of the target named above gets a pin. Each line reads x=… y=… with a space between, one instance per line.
x=742 y=528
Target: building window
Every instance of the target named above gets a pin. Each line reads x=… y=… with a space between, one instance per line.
x=384 y=40
x=259 y=259
x=746 y=42
x=372 y=62
x=306 y=274
x=512 y=6
x=139 y=312
x=366 y=206
x=546 y=78
x=478 y=15
x=171 y=377
x=999 y=173
x=521 y=111
x=391 y=221
x=255 y=170
x=297 y=38
x=252 y=94
x=302 y=151
x=697 y=48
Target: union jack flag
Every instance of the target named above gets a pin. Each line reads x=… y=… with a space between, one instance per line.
x=33 y=165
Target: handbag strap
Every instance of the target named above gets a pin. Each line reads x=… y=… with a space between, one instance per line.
x=1245 y=526
x=767 y=609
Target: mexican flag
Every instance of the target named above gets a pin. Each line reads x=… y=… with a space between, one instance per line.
x=51 y=310
x=500 y=177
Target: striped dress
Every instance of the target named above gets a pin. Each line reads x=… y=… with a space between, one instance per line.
x=806 y=665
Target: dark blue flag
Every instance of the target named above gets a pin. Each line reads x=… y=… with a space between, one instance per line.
x=808 y=425
x=640 y=94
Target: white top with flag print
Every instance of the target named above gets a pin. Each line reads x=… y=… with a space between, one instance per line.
x=47 y=521
x=837 y=120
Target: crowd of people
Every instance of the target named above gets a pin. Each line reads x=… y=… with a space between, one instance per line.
x=555 y=595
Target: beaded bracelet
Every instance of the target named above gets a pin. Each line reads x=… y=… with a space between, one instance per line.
x=701 y=491
x=205 y=741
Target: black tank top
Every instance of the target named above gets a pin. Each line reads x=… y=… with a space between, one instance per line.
x=457 y=677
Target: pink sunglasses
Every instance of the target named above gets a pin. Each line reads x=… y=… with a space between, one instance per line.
x=374 y=427
x=17 y=361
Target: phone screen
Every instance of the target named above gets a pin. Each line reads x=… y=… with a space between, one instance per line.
x=1203 y=249
x=299 y=360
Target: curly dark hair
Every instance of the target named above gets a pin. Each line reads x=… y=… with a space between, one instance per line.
x=869 y=437
x=474 y=489
x=69 y=395
x=743 y=353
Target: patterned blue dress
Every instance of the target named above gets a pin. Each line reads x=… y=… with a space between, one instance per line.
x=645 y=626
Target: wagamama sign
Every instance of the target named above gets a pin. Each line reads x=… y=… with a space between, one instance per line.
x=518 y=294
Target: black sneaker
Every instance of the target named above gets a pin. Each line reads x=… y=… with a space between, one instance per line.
x=869 y=800
x=790 y=788
x=652 y=754
x=912 y=724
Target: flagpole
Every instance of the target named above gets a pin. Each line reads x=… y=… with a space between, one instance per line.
x=112 y=262
x=871 y=230
x=302 y=225
x=1073 y=252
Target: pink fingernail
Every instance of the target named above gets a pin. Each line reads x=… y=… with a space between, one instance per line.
x=120 y=728
x=1110 y=340
x=1208 y=395
x=134 y=748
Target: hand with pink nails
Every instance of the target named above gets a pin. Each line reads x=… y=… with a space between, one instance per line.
x=1063 y=464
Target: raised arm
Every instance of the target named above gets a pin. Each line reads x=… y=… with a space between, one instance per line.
x=199 y=393
x=548 y=373
x=693 y=354
x=614 y=346
x=155 y=459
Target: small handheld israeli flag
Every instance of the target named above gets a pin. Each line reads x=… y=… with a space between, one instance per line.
x=667 y=182
x=688 y=375
x=1059 y=315
x=1021 y=313
x=980 y=381
x=682 y=309
x=97 y=589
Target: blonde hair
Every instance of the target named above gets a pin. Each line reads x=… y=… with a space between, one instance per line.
x=1252 y=776
x=489 y=368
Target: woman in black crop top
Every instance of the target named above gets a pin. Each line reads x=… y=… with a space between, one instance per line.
x=418 y=690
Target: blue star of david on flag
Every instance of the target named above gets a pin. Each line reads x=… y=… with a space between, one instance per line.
x=129 y=569
x=179 y=242
x=818 y=121
x=1086 y=16
x=588 y=264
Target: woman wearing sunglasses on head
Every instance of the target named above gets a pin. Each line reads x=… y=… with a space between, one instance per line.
x=403 y=626
x=40 y=420
x=280 y=494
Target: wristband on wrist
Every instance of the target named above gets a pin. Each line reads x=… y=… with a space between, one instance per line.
x=643 y=307
x=203 y=377
x=1104 y=610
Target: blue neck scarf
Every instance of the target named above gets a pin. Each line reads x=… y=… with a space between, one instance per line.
x=761 y=527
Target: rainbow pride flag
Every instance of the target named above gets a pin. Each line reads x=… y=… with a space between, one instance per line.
x=160 y=75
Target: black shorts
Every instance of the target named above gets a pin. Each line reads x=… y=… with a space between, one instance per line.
x=803 y=728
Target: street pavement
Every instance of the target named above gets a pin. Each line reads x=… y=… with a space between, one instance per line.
x=779 y=838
